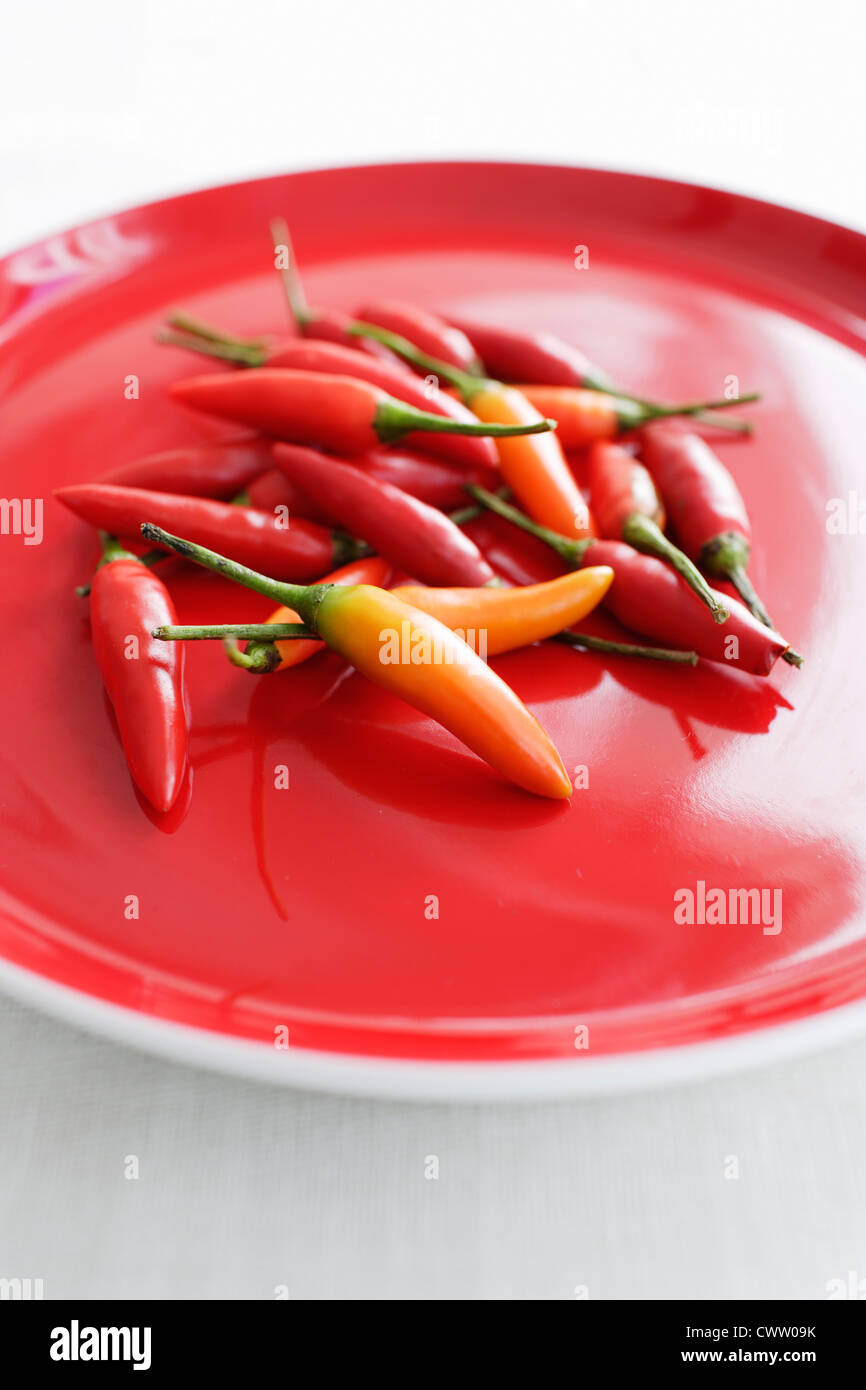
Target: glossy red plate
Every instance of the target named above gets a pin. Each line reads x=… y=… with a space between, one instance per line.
x=555 y=963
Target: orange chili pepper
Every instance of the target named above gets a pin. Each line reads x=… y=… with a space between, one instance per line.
x=536 y=470
x=589 y=417
x=411 y=654
x=583 y=416
x=510 y=618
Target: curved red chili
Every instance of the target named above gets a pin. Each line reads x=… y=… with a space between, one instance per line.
x=627 y=507
x=621 y=488
x=143 y=677
x=407 y=532
x=220 y=468
x=298 y=551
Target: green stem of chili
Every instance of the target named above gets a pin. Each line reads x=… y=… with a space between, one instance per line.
x=302 y=598
x=112 y=550
x=249 y=632
x=198 y=329
x=748 y=593
x=571 y=552
x=631 y=413
x=394 y=419
x=292 y=284
x=601 y=644
x=148 y=560
x=227 y=351
x=643 y=533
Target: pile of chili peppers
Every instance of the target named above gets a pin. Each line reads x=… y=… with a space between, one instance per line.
x=368 y=440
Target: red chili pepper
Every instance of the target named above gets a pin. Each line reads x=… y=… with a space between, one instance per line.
x=650 y=598
x=519 y=355
x=300 y=355
x=706 y=508
x=273 y=489
x=426 y=331
x=431 y=480
x=336 y=412
x=628 y=508
x=522 y=355
x=143 y=677
x=220 y=468
x=410 y=534
x=299 y=551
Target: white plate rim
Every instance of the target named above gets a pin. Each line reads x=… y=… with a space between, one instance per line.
x=421 y=1080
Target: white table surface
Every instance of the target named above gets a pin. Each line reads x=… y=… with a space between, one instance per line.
x=244 y=1188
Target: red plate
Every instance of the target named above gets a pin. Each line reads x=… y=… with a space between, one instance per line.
x=308 y=909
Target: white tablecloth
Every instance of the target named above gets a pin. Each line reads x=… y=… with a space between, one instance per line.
x=242 y=1188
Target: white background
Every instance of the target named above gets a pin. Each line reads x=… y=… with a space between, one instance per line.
x=243 y=1188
